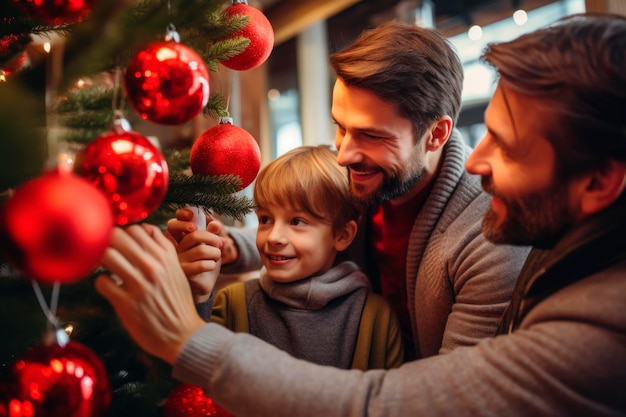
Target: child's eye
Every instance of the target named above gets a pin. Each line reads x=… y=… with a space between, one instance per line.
x=297 y=222
x=264 y=219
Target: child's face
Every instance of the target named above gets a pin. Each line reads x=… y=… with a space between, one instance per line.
x=293 y=244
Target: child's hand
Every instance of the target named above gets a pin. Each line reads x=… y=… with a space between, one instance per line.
x=229 y=248
x=183 y=224
x=199 y=254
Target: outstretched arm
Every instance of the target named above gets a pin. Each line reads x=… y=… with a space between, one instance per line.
x=507 y=375
x=154 y=301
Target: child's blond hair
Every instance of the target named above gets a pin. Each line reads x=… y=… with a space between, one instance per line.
x=308 y=178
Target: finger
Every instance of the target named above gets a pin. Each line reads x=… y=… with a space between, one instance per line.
x=179 y=228
x=201 y=253
x=199 y=267
x=153 y=242
x=171 y=238
x=109 y=289
x=118 y=264
x=115 y=294
x=144 y=257
x=198 y=238
x=184 y=214
x=214 y=226
x=158 y=236
x=144 y=240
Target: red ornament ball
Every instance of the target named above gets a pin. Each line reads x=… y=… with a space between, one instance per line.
x=130 y=170
x=167 y=83
x=189 y=401
x=13 y=53
x=56 y=228
x=56 y=12
x=59 y=381
x=15 y=64
x=226 y=149
x=260 y=33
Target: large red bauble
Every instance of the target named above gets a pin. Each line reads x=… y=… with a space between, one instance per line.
x=56 y=228
x=60 y=381
x=189 y=401
x=56 y=12
x=226 y=149
x=167 y=83
x=129 y=169
x=260 y=33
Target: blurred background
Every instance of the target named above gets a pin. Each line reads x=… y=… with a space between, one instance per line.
x=286 y=102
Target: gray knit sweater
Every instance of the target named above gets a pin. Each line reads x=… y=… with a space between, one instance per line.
x=458 y=283
x=565 y=355
x=316 y=318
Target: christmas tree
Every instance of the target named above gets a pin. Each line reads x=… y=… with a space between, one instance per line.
x=52 y=110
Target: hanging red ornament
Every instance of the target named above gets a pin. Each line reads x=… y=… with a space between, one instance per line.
x=56 y=228
x=167 y=82
x=12 y=54
x=226 y=149
x=59 y=380
x=129 y=169
x=189 y=401
x=15 y=64
x=258 y=30
x=56 y=12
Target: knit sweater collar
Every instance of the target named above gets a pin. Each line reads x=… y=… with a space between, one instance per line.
x=452 y=169
x=315 y=292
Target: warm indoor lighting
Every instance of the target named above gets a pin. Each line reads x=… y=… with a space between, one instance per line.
x=475 y=33
x=47 y=46
x=520 y=17
x=273 y=94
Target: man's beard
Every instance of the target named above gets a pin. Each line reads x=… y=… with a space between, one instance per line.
x=391 y=188
x=538 y=219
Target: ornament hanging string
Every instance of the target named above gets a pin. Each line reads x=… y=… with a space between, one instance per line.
x=171 y=34
x=118 y=103
x=49 y=311
x=120 y=123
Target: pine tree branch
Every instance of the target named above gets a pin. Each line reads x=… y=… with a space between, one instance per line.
x=214 y=194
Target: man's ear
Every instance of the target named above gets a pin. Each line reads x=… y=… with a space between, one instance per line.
x=440 y=131
x=603 y=187
x=345 y=236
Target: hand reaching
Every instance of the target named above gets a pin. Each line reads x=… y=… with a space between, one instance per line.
x=154 y=300
x=183 y=224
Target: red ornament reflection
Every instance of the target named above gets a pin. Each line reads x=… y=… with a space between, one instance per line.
x=129 y=169
x=188 y=400
x=59 y=381
x=167 y=83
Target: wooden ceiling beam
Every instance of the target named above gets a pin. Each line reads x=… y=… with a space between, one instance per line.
x=288 y=18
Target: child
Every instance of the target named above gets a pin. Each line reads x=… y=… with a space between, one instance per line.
x=305 y=302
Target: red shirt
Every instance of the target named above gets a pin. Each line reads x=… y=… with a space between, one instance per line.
x=391 y=228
